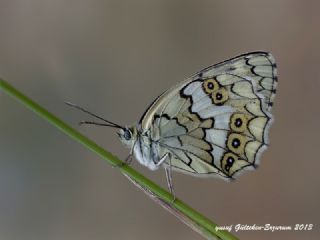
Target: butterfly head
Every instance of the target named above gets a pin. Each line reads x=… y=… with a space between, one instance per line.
x=128 y=135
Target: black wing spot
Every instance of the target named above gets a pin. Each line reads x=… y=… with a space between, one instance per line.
x=235 y=143
x=238 y=122
x=218 y=96
x=231 y=68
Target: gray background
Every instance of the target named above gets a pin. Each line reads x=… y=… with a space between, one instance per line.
x=114 y=58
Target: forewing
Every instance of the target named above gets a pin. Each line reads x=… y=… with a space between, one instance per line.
x=259 y=68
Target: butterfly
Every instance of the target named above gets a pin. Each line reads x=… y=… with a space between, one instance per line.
x=214 y=123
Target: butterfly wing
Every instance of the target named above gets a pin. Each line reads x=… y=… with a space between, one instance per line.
x=216 y=121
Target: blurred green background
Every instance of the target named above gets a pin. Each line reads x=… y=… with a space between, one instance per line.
x=114 y=58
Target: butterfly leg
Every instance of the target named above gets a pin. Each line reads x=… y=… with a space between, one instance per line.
x=127 y=161
x=169 y=181
x=168 y=170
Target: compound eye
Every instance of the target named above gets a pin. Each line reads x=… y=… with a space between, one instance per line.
x=127 y=134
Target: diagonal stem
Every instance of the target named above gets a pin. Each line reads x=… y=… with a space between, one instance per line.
x=144 y=182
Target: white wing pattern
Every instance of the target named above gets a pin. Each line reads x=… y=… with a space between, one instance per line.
x=216 y=122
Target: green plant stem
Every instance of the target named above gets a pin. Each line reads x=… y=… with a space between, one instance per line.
x=113 y=160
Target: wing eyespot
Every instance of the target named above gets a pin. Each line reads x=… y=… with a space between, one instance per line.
x=228 y=160
x=220 y=96
x=238 y=122
x=236 y=143
x=210 y=85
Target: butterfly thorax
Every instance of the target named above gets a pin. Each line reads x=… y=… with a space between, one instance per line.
x=143 y=144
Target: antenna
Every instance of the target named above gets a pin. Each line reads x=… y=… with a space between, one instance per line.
x=109 y=123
